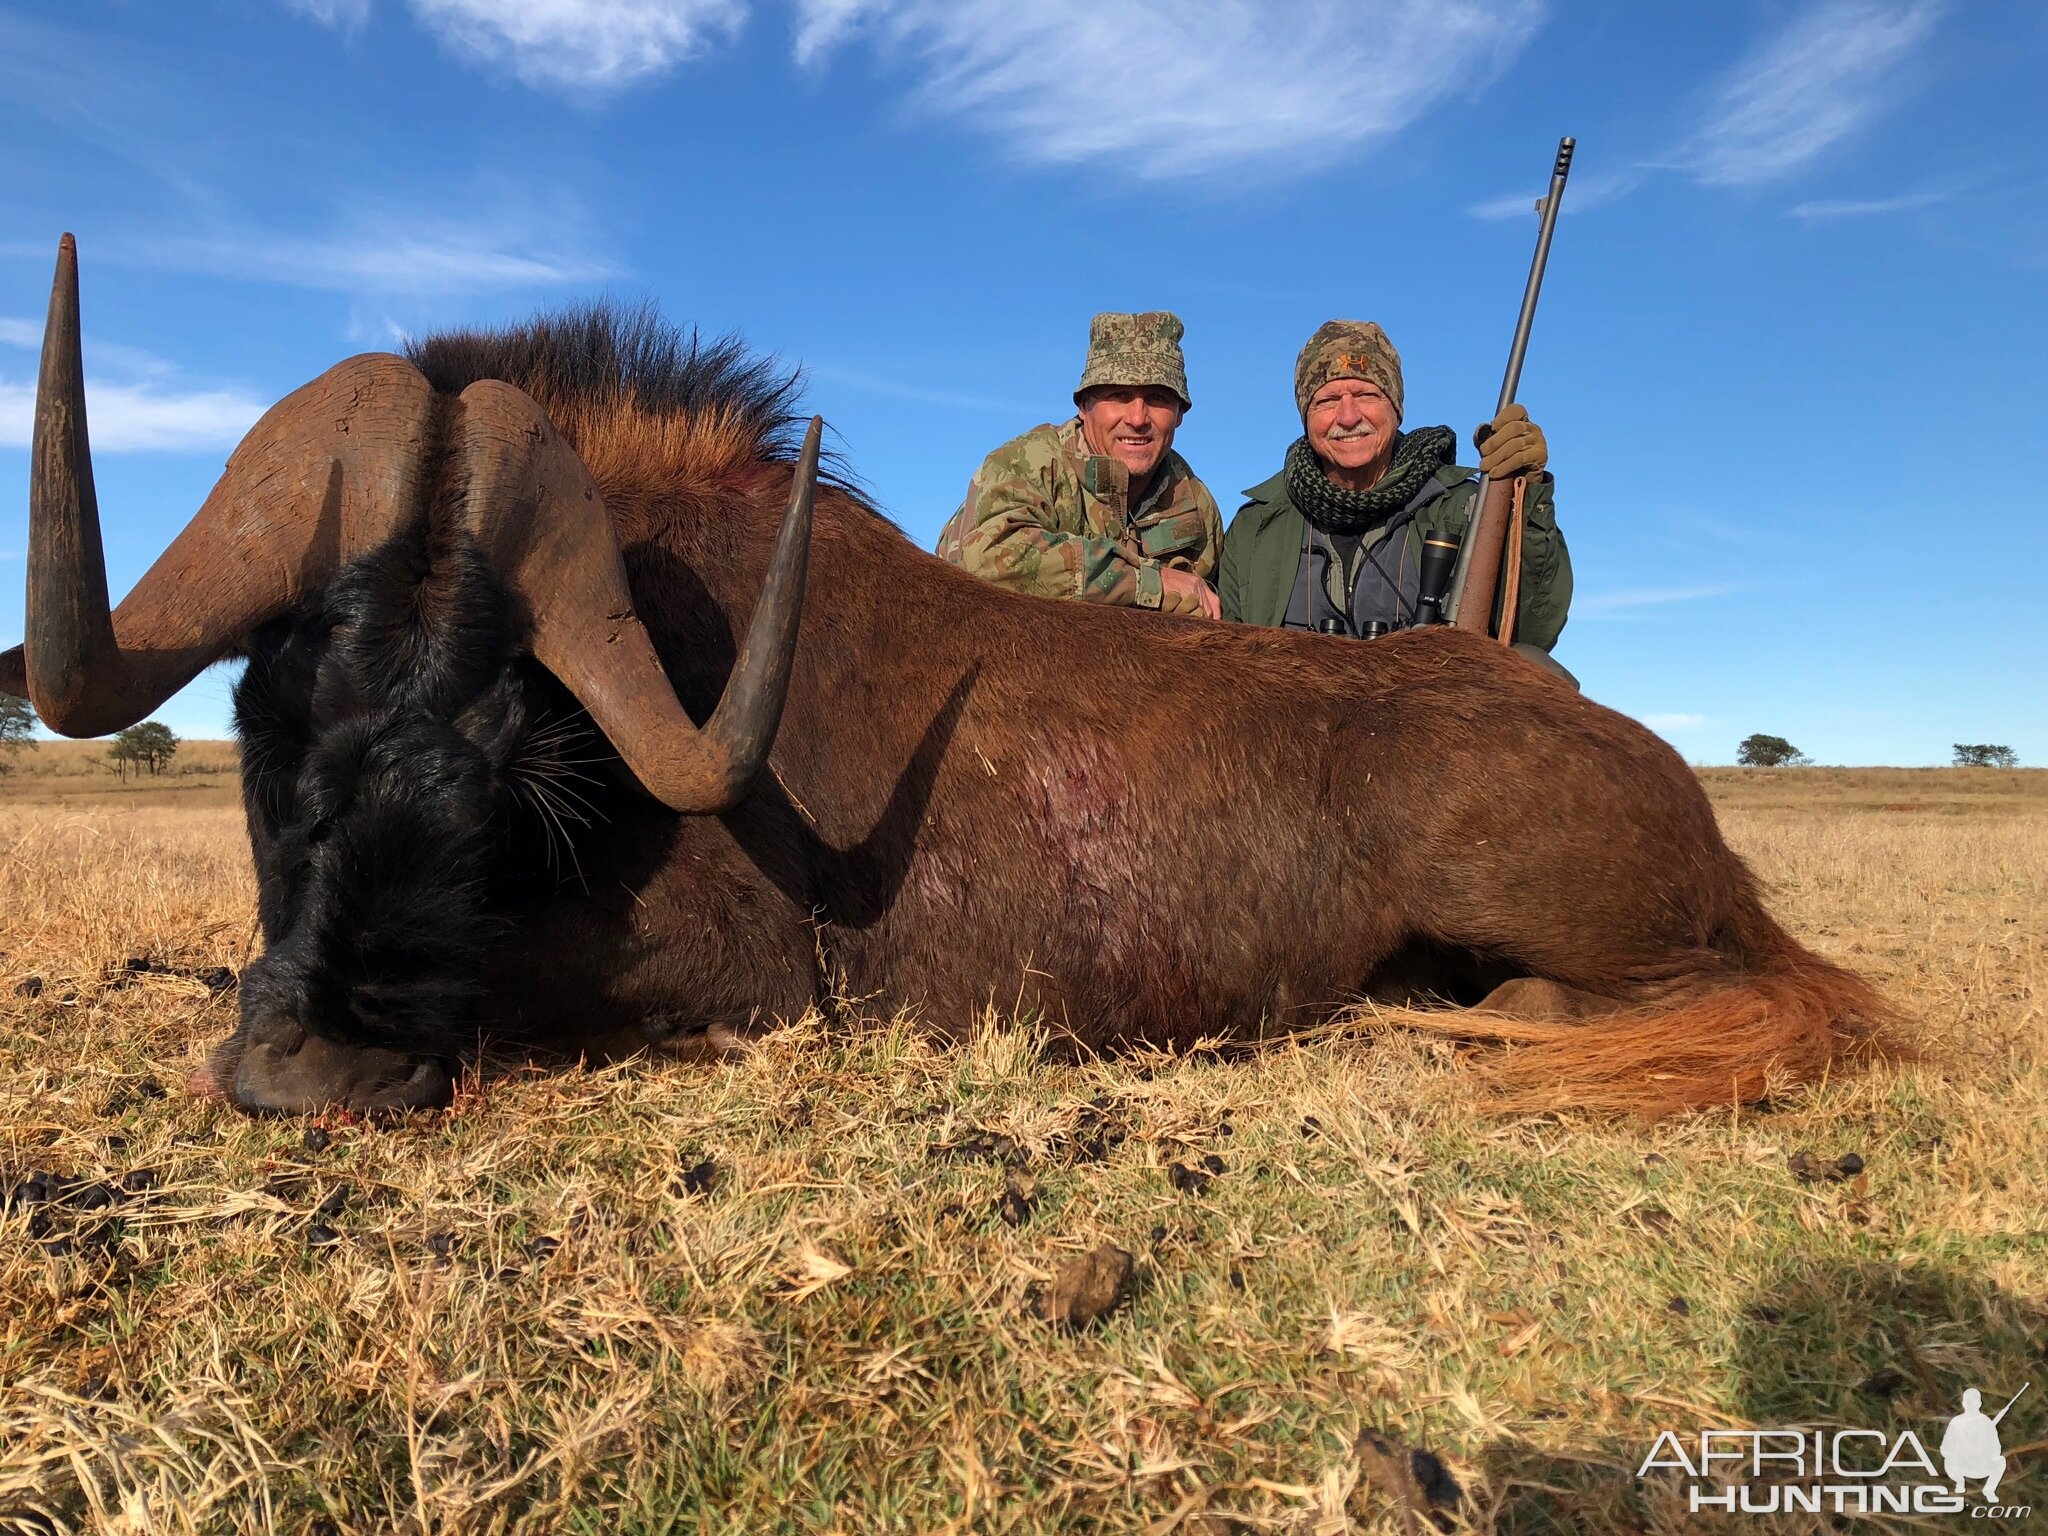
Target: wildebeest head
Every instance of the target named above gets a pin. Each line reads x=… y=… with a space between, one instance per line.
x=430 y=594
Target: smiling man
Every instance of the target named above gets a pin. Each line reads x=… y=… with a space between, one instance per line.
x=1334 y=541
x=1099 y=507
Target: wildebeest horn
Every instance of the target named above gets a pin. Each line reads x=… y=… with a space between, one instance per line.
x=540 y=519
x=328 y=473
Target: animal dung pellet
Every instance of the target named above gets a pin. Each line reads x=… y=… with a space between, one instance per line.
x=1809 y=1169
x=1086 y=1288
x=1018 y=1199
x=697 y=1178
x=1189 y=1181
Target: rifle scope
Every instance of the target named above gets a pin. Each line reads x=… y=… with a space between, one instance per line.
x=1439 y=556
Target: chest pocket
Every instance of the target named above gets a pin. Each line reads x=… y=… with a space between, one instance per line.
x=1178 y=535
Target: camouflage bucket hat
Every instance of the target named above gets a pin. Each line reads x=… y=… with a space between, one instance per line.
x=1347 y=349
x=1136 y=349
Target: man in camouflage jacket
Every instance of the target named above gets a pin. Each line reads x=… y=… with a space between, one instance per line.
x=1100 y=507
x=1334 y=541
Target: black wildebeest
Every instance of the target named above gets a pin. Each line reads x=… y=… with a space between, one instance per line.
x=508 y=768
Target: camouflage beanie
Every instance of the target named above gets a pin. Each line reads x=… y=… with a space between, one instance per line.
x=1347 y=349
x=1136 y=349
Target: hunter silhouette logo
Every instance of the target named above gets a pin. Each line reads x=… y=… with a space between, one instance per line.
x=1843 y=1471
x=1970 y=1448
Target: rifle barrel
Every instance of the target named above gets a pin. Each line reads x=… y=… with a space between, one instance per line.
x=1525 y=321
x=1512 y=380
x=2015 y=1398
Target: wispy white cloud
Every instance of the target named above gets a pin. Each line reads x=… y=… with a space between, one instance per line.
x=854 y=378
x=382 y=254
x=585 y=47
x=1827 y=209
x=822 y=25
x=140 y=417
x=1676 y=721
x=345 y=14
x=134 y=402
x=110 y=355
x=1808 y=87
x=1222 y=84
x=1581 y=194
x=1595 y=603
x=411 y=261
x=1804 y=90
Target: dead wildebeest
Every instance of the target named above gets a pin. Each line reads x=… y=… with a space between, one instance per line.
x=508 y=770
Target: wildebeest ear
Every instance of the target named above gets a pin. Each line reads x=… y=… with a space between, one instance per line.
x=496 y=721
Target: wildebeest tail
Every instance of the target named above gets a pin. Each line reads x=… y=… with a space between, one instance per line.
x=1765 y=1012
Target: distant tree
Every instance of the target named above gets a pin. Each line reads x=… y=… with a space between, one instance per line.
x=148 y=745
x=1761 y=751
x=1985 y=755
x=16 y=721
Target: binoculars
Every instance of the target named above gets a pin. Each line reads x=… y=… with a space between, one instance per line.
x=1439 y=557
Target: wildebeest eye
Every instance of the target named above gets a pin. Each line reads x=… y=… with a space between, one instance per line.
x=319 y=831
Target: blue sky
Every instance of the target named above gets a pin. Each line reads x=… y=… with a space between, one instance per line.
x=1789 y=358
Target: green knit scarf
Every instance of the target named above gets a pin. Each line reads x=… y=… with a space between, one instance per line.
x=1417 y=456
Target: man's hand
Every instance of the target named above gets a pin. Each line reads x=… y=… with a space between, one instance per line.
x=1511 y=444
x=1185 y=592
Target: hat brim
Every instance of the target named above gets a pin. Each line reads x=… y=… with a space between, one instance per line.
x=1179 y=392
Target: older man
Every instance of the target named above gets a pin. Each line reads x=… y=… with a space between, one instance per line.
x=1334 y=541
x=1099 y=507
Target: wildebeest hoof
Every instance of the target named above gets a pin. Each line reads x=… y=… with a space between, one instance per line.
x=315 y=1073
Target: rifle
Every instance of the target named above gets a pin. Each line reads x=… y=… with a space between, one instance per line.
x=2008 y=1407
x=1469 y=604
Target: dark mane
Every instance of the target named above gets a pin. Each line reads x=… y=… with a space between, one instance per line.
x=595 y=360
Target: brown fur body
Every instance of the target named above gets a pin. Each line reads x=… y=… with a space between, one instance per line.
x=1140 y=828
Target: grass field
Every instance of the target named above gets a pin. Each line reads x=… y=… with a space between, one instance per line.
x=795 y=1293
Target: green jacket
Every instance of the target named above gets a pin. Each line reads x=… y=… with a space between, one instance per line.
x=1262 y=553
x=1046 y=516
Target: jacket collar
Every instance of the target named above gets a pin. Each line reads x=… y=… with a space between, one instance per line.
x=1272 y=497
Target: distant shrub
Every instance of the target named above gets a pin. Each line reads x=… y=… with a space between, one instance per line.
x=1761 y=751
x=17 y=719
x=148 y=745
x=1985 y=755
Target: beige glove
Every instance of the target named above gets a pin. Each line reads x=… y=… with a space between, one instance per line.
x=1186 y=593
x=1511 y=444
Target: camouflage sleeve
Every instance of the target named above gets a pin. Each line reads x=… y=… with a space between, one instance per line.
x=1007 y=532
x=1208 y=560
x=1184 y=534
x=1546 y=569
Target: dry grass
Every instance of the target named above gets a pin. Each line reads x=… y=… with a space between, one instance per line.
x=522 y=1316
x=77 y=773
